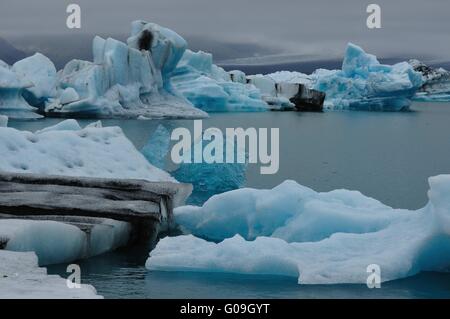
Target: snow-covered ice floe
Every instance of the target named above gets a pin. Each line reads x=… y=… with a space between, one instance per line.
x=21 y=278
x=319 y=238
x=436 y=87
x=210 y=88
x=362 y=83
x=67 y=149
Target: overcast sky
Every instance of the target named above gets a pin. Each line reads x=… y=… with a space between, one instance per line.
x=314 y=29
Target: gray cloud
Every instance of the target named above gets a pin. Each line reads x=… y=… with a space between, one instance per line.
x=239 y=28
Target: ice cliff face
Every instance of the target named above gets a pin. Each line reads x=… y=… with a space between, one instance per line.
x=436 y=85
x=318 y=238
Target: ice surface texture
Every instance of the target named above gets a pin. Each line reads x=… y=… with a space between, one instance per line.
x=319 y=238
x=65 y=149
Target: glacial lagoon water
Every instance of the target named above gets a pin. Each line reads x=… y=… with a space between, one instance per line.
x=388 y=156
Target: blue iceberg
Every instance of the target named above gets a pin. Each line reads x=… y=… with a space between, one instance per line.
x=318 y=238
x=211 y=88
x=207 y=179
x=362 y=83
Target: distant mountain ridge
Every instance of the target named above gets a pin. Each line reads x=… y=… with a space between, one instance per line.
x=9 y=54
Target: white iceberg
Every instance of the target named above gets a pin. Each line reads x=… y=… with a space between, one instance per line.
x=319 y=238
x=12 y=103
x=41 y=73
x=125 y=80
x=21 y=278
x=210 y=88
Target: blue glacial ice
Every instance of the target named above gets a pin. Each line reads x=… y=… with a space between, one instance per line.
x=362 y=83
x=157 y=147
x=125 y=80
x=210 y=88
x=318 y=238
x=207 y=179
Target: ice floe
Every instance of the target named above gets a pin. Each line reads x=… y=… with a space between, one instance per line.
x=65 y=149
x=319 y=238
x=21 y=277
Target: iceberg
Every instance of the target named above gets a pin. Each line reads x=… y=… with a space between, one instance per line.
x=65 y=149
x=210 y=88
x=436 y=87
x=41 y=73
x=21 y=277
x=207 y=179
x=318 y=238
x=12 y=103
x=362 y=83
x=125 y=80
x=210 y=178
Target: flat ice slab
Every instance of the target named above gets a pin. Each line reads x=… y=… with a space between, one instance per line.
x=21 y=278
